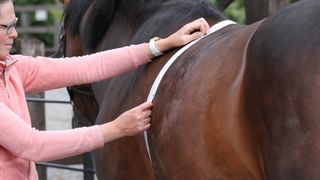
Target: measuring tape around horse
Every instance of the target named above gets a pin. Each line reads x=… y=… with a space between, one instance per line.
x=164 y=69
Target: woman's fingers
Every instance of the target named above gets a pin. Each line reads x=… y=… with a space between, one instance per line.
x=198 y=25
x=205 y=25
x=144 y=106
x=144 y=111
x=194 y=30
x=146 y=127
x=195 y=35
x=187 y=33
x=146 y=114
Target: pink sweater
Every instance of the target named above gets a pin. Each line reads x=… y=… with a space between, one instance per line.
x=20 y=144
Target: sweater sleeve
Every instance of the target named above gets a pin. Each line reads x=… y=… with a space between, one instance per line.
x=28 y=143
x=43 y=73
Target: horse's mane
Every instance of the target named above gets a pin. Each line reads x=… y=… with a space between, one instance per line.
x=73 y=15
x=102 y=12
x=75 y=11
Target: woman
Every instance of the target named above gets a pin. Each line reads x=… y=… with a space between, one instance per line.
x=20 y=144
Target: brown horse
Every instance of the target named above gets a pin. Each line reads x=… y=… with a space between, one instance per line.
x=239 y=104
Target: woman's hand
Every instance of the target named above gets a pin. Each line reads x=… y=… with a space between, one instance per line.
x=131 y=122
x=186 y=34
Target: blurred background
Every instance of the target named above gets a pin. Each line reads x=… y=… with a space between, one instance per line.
x=40 y=19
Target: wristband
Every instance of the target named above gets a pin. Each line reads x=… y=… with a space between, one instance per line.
x=153 y=48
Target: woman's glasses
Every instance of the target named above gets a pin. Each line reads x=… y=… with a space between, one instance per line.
x=9 y=27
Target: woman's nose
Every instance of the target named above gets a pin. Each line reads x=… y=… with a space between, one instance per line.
x=13 y=33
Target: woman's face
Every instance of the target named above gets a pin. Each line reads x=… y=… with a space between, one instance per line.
x=7 y=30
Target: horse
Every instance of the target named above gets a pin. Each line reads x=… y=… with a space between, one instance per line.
x=240 y=103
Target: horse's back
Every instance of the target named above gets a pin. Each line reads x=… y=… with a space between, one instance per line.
x=282 y=81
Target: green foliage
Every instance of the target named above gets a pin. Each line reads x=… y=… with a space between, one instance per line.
x=54 y=15
x=235 y=10
x=214 y=2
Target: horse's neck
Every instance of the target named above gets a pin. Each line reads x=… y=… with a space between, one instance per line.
x=162 y=19
x=137 y=21
x=127 y=21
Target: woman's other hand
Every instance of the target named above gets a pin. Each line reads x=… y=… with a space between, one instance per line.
x=186 y=34
x=131 y=122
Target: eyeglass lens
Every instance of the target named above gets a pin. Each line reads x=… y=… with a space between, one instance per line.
x=9 y=27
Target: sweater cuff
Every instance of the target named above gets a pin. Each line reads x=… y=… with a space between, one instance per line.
x=140 y=54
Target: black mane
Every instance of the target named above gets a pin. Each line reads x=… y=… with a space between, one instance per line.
x=73 y=15
x=102 y=12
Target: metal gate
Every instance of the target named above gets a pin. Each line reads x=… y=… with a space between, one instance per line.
x=88 y=170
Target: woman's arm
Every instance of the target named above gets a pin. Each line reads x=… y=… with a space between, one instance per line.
x=25 y=142
x=42 y=73
x=46 y=73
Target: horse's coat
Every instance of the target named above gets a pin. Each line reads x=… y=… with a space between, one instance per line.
x=239 y=104
x=164 y=69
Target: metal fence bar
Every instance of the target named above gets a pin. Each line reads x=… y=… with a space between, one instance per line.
x=43 y=100
x=87 y=164
x=88 y=171
x=59 y=166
